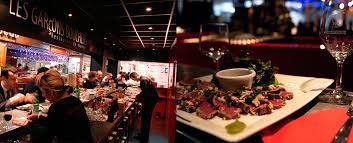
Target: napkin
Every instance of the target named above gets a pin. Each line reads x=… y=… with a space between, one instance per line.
x=319 y=127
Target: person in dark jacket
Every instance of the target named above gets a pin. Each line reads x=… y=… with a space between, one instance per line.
x=149 y=96
x=9 y=96
x=92 y=81
x=66 y=120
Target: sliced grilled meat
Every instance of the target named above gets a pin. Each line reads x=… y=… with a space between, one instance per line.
x=245 y=108
x=206 y=111
x=277 y=103
x=228 y=113
x=286 y=95
x=261 y=110
x=187 y=106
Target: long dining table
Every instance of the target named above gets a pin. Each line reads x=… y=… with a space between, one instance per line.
x=100 y=129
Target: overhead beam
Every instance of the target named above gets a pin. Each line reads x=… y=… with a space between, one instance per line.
x=148 y=31
x=170 y=21
x=122 y=43
x=150 y=15
x=137 y=25
x=141 y=36
x=132 y=23
x=145 y=2
x=149 y=40
x=83 y=10
x=151 y=43
x=174 y=42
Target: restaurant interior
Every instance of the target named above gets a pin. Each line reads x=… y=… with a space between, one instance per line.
x=109 y=40
x=178 y=71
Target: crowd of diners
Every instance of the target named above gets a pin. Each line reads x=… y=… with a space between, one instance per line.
x=66 y=120
x=95 y=79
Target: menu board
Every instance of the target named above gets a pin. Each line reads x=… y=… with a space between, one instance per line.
x=161 y=73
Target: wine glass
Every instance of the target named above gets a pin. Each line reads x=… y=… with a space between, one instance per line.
x=337 y=35
x=7 y=116
x=214 y=41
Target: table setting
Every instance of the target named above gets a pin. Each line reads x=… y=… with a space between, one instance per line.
x=244 y=99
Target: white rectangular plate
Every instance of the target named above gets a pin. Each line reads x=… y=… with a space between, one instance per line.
x=216 y=126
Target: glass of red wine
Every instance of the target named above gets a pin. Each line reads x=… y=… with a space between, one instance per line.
x=7 y=116
x=337 y=35
x=214 y=41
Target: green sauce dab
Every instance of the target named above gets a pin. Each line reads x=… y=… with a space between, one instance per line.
x=235 y=127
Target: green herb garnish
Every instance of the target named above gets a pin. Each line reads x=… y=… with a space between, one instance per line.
x=209 y=93
x=252 y=96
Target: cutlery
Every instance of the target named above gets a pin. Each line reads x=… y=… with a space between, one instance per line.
x=182 y=117
x=342 y=134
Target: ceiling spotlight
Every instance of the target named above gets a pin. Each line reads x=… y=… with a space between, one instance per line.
x=92 y=29
x=153 y=49
x=70 y=15
x=105 y=38
x=150 y=28
x=152 y=38
x=341 y=6
x=148 y=9
x=113 y=44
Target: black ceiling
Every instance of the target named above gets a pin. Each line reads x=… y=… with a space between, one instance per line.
x=110 y=20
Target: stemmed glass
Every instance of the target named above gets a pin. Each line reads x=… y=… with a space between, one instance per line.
x=337 y=35
x=214 y=41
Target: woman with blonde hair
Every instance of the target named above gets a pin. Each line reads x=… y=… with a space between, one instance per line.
x=67 y=119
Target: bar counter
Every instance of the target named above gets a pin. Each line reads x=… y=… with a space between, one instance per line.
x=100 y=129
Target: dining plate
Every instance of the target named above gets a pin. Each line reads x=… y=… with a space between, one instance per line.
x=25 y=107
x=216 y=126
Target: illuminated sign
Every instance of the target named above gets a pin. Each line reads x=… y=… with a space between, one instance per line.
x=9 y=34
x=57 y=29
